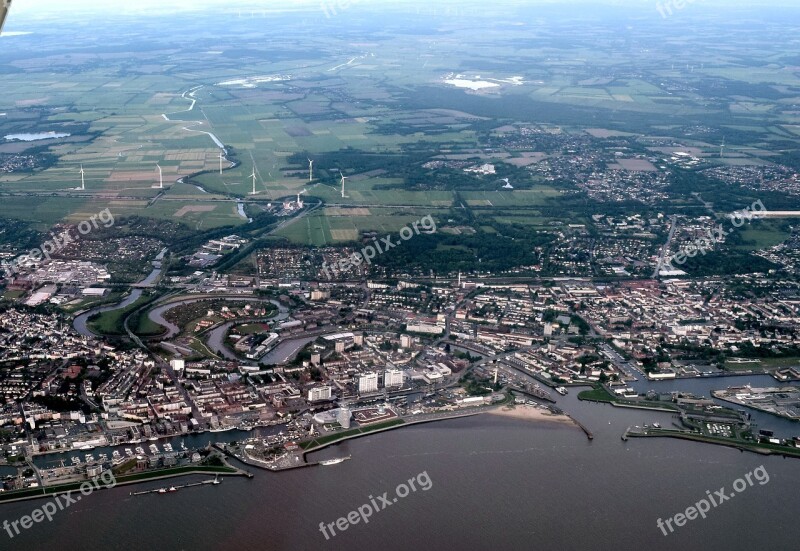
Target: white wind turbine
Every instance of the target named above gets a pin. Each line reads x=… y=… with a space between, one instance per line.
x=722 y=149
x=83 y=181
x=253 y=176
x=310 y=170
x=221 y=156
x=343 y=179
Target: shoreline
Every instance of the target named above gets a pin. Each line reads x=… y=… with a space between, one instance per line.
x=73 y=486
x=715 y=394
x=741 y=446
x=531 y=413
x=405 y=423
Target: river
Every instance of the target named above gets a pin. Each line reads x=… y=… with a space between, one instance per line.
x=81 y=321
x=217 y=335
x=497 y=483
x=242 y=213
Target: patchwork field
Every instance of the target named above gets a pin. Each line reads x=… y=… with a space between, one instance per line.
x=388 y=118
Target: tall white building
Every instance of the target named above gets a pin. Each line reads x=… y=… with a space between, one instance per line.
x=343 y=416
x=368 y=383
x=319 y=393
x=177 y=366
x=393 y=378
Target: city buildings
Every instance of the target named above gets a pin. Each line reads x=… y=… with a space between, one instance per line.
x=368 y=383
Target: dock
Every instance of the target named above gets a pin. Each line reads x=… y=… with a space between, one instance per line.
x=172 y=489
x=534 y=393
x=585 y=430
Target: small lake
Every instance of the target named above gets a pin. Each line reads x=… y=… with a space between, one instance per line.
x=36 y=137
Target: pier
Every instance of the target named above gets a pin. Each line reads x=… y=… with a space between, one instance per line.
x=534 y=393
x=172 y=489
x=585 y=430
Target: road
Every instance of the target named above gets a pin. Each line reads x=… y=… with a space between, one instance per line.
x=665 y=249
x=621 y=363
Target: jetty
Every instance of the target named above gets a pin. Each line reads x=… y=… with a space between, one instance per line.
x=172 y=489
x=585 y=430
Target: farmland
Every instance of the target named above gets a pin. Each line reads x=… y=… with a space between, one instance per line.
x=410 y=138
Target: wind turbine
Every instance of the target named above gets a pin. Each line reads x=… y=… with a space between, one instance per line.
x=722 y=149
x=220 y=162
x=343 y=179
x=83 y=182
x=160 y=177
x=310 y=170
x=253 y=176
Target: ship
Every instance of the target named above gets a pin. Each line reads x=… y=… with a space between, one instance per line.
x=172 y=489
x=222 y=429
x=335 y=461
x=561 y=390
x=162 y=490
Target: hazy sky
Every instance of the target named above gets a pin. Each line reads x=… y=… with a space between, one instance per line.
x=190 y=5
x=37 y=10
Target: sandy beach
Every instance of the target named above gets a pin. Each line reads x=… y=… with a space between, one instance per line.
x=524 y=411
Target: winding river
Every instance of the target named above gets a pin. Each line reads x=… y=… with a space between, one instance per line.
x=216 y=336
x=82 y=320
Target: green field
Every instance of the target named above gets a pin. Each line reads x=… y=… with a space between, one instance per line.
x=384 y=117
